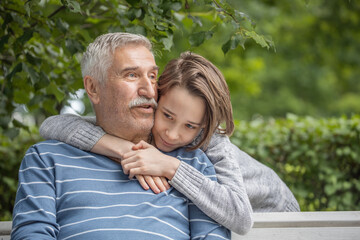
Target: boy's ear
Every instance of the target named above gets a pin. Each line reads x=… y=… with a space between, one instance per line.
x=92 y=89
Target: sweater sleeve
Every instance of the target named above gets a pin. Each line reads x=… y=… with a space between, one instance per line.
x=201 y=226
x=225 y=201
x=80 y=132
x=266 y=191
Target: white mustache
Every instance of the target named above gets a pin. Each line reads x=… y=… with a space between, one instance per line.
x=143 y=101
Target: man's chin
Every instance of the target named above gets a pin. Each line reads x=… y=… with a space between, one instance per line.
x=145 y=124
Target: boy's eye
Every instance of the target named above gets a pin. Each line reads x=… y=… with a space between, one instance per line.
x=167 y=116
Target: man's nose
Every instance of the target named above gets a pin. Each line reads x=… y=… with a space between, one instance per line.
x=147 y=87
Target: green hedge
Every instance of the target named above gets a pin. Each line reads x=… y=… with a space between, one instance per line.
x=319 y=159
x=12 y=151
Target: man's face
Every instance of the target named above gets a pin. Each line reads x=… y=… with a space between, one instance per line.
x=132 y=75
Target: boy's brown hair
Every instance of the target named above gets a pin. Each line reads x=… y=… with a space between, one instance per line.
x=203 y=79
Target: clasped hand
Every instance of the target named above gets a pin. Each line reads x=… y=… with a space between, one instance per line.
x=151 y=167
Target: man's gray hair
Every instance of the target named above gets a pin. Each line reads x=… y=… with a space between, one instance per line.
x=99 y=54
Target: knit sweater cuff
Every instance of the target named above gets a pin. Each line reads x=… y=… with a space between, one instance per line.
x=292 y=207
x=86 y=139
x=187 y=180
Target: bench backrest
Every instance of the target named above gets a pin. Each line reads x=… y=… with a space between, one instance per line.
x=278 y=226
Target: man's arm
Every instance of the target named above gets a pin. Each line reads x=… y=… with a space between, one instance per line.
x=34 y=214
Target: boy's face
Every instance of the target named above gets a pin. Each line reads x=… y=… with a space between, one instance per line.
x=178 y=119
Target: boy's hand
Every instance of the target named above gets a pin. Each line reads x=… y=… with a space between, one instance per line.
x=157 y=184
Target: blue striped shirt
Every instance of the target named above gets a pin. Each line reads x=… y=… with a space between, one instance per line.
x=67 y=193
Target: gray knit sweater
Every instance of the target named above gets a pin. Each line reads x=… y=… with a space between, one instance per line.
x=240 y=177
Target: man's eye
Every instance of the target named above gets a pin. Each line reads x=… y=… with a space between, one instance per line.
x=131 y=75
x=153 y=77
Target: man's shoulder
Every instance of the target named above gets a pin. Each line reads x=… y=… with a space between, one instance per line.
x=184 y=151
x=53 y=146
x=196 y=157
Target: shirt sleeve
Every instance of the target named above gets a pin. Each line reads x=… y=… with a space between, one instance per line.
x=34 y=214
x=80 y=132
x=225 y=201
x=202 y=226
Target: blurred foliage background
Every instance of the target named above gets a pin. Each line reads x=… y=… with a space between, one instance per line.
x=292 y=68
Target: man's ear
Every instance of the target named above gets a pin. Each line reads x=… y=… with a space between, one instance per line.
x=92 y=89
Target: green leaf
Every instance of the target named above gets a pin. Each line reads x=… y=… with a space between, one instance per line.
x=133 y=2
x=198 y=38
x=36 y=100
x=34 y=76
x=168 y=42
x=233 y=43
x=73 y=6
x=27 y=8
x=4 y=121
x=33 y=60
x=138 y=12
x=54 y=90
x=43 y=81
x=63 y=26
x=29 y=4
x=21 y=97
x=11 y=132
x=257 y=38
x=8 y=19
x=176 y=6
x=19 y=124
x=226 y=46
x=17 y=68
x=240 y=40
x=43 y=32
x=136 y=29
x=73 y=46
x=3 y=40
x=49 y=106
x=25 y=37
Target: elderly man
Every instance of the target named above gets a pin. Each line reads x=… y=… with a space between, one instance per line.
x=68 y=193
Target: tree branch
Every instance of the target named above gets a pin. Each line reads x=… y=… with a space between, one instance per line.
x=227 y=13
x=56 y=11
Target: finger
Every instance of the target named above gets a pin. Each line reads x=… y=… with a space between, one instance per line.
x=165 y=182
x=115 y=159
x=141 y=145
x=159 y=184
x=129 y=154
x=149 y=180
x=142 y=182
x=127 y=161
x=129 y=166
x=137 y=147
x=133 y=172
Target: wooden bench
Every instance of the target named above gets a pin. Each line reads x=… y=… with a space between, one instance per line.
x=287 y=226
x=304 y=226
